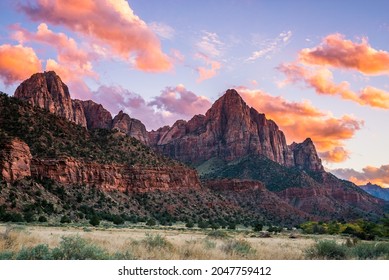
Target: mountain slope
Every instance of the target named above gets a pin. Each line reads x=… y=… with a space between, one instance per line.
x=376 y=190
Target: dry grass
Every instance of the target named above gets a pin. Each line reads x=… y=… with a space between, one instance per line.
x=160 y=243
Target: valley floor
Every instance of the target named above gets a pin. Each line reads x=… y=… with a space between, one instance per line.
x=154 y=243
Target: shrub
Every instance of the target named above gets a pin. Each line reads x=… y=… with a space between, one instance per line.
x=189 y=224
x=151 y=222
x=94 y=221
x=42 y=219
x=218 y=234
x=258 y=227
x=327 y=250
x=156 y=241
x=39 y=252
x=6 y=255
x=77 y=248
x=65 y=219
x=117 y=220
x=239 y=247
x=371 y=251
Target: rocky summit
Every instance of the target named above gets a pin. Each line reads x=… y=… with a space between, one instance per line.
x=230 y=130
x=47 y=91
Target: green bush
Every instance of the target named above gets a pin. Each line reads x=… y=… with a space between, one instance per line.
x=77 y=248
x=42 y=219
x=156 y=241
x=218 y=234
x=151 y=222
x=94 y=221
x=371 y=251
x=6 y=255
x=39 y=252
x=327 y=250
x=65 y=219
x=239 y=247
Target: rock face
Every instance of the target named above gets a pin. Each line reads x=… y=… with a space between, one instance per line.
x=231 y=130
x=46 y=90
x=124 y=178
x=15 y=160
x=95 y=114
x=305 y=156
x=131 y=127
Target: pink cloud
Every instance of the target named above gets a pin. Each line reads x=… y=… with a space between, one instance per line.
x=207 y=73
x=375 y=175
x=181 y=101
x=336 y=51
x=17 y=63
x=300 y=120
x=111 y=22
x=321 y=80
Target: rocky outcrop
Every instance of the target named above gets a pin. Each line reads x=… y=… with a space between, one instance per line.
x=15 y=160
x=46 y=90
x=96 y=115
x=69 y=171
x=231 y=130
x=132 y=127
x=305 y=156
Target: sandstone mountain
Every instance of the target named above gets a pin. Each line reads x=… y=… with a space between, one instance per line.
x=66 y=150
x=230 y=130
x=47 y=91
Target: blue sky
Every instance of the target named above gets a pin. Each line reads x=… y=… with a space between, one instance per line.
x=318 y=68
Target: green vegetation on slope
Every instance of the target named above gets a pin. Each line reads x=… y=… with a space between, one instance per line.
x=275 y=176
x=50 y=136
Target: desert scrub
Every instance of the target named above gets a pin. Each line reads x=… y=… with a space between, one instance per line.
x=77 y=248
x=238 y=247
x=327 y=250
x=156 y=241
x=218 y=234
x=39 y=252
x=371 y=251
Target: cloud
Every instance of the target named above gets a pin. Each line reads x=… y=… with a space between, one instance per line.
x=172 y=104
x=300 y=120
x=210 y=44
x=336 y=51
x=375 y=175
x=110 y=22
x=207 y=73
x=337 y=154
x=17 y=63
x=321 y=80
x=72 y=63
x=163 y=30
x=270 y=46
x=181 y=101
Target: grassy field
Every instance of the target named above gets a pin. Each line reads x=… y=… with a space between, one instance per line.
x=77 y=242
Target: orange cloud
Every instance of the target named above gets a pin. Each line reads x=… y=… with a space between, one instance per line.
x=111 y=22
x=300 y=120
x=375 y=175
x=321 y=80
x=72 y=62
x=17 y=63
x=336 y=51
x=207 y=73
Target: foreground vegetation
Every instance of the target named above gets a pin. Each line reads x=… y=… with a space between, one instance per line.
x=33 y=242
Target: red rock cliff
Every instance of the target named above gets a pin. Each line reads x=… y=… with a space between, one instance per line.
x=15 y=160
x=46 y=90
x=124 y=178
x=230 y=130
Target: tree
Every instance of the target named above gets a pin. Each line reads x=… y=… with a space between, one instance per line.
x=94 y=220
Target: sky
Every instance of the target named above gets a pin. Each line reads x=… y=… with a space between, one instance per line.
x=319 y=69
